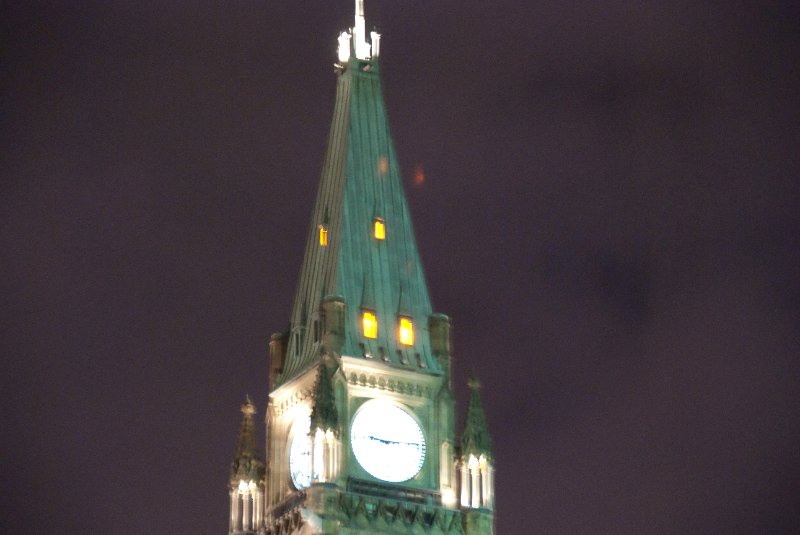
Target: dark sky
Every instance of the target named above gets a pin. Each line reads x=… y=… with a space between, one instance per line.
x=610 y=215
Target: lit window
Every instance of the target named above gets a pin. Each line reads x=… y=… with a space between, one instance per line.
x=323 y=236
x=406 y=332
x=370 y=324
x=380 y=229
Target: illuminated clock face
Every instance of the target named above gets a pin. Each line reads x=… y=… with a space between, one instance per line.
x=300 y=453
x=387 y=441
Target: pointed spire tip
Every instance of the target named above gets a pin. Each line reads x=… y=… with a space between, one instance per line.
x=248 y=407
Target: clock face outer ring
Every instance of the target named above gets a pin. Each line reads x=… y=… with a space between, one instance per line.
x=387 y=441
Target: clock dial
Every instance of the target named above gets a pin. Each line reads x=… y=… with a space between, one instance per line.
x=300 y=453
x=387 y=441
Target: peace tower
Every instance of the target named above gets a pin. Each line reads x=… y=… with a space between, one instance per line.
x=361 y=413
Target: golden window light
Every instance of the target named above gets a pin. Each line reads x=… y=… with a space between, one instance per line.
x=406 y=332
x=380 y=229
x=323 y=235
x=369 y=323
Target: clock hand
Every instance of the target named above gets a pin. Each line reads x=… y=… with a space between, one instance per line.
x=383 y=440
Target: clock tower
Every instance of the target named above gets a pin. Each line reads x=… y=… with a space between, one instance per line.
x=361 y=413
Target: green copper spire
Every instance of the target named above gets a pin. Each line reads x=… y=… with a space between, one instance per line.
x=247 y=464
x=476 y=439
x=360 y=245
x=323 y=413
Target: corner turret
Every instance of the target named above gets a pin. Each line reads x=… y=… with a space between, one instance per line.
x=246 y=486
x=476 y=467
x=476 y=440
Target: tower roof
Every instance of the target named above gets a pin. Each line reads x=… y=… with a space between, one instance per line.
x=360 y=185
x=476 y=439
x=247 y=464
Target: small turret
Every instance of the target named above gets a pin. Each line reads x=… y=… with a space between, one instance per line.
x=476 y=440
x=246 y=487
x=476 y=467
x=277 y=355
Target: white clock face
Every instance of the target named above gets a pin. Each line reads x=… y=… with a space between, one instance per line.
x=300 y=453
x=387 y=441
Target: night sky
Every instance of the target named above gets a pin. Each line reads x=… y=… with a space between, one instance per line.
x=610 y=213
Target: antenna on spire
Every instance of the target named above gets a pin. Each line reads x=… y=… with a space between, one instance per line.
x=358 y=33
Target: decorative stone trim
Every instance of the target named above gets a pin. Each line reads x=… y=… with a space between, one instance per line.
x=379 y=515
x=296 y=398
x=286 y=523
x=390 y=385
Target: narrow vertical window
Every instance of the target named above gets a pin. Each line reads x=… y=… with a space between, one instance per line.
x=406 y=332
x=323 y=235
x=369 y=324
x=380 y=229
